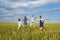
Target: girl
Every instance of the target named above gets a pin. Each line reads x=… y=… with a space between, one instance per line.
x=32 y=21
x=25 y=21
x=41 y=22
x=19 y=23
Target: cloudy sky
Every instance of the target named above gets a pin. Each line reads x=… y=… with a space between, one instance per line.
x=11 y=10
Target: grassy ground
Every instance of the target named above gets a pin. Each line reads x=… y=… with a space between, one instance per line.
x=9 y=31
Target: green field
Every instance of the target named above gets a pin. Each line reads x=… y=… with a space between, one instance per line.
x=9 y=31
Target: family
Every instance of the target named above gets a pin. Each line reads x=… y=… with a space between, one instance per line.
x=32 y=22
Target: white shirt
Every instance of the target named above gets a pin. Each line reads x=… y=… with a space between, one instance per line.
x=42 y=19
x=32 y=19
x=19 y=24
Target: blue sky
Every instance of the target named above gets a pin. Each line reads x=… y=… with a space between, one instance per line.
x=11 y=10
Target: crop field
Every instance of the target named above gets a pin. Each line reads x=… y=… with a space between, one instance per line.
x=9 y=31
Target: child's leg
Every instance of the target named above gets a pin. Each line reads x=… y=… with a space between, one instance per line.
x=33 y=25
x=41 y=25
x=30 y=24
x=26 y=26
x=18 y=27
x=41 y=28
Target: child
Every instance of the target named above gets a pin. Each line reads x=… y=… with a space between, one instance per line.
x=41 y=22
x=19 y=23
x=32 y=21
x=25 y=21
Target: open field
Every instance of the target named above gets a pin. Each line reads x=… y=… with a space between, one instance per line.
x=9 y=31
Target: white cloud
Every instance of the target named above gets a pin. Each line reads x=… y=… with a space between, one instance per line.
x=10 y=8
x=33 y=3
x=42 y=2
x=20 y=11
x=51 y=10
x=15 y=5
x=1 y=9
x=46 y=10
x=29 y=4
x=36 y=11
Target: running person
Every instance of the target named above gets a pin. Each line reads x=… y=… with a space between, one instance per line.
x=41 y=22
x=19 y=23
x=25 y=21
x=32 y=21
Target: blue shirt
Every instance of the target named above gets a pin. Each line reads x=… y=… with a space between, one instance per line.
x=25 y=21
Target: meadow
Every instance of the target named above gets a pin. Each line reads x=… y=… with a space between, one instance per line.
x=9 y=31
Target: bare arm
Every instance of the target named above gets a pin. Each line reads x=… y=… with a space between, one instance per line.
x=37 y=19
x=46 y=19
x=29 y=18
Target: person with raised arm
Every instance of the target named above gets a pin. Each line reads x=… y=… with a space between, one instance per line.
x=32 y=21
x=41 y=22
x=19 y=23
x=25 y=21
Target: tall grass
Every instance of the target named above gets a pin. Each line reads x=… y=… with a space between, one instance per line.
x=9 y=31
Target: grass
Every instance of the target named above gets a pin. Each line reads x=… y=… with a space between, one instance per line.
x=9 y=31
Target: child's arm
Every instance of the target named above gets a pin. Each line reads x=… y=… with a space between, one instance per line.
x=29 y=18
x=17 y=21
x=46 y=19
x=23 y=20
x=35 y=17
